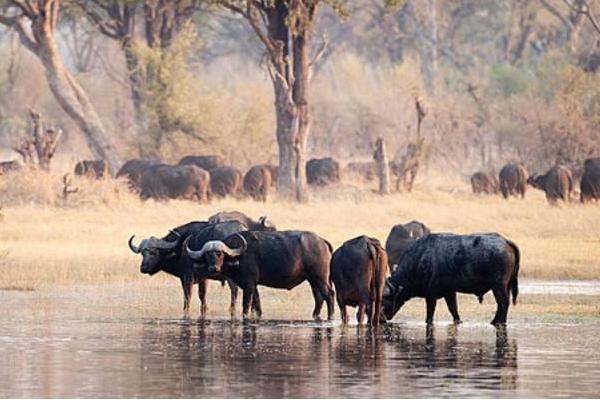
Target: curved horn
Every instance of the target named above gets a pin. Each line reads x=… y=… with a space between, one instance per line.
x=240 y=250
x=211 y=245
x=134 y=248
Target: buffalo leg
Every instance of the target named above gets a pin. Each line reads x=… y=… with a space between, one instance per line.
x=187 y=294
x=360 y=313
x=234 y=294
x=247 y=301
x=256 y=304
x=318 y=301
x=501 y=295
x=453 y=306
x=202 y=286
x=431 y=302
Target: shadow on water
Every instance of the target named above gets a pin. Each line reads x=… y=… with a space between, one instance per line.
x=272 y=358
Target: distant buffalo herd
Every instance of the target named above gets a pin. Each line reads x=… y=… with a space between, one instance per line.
x=245 y=253
x=557 y=183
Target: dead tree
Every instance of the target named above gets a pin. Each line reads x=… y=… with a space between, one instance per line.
x=406 y=169
x=39 y=148
x=35 y=22
x=382 y=167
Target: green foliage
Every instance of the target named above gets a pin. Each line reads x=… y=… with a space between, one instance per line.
x=507 y=80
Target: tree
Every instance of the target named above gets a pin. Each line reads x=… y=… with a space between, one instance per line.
x=285 y=29
x=163 y=21
x=35 y=22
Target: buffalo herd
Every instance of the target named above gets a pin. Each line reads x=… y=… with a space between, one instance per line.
x=557 y=183
x=245 y=253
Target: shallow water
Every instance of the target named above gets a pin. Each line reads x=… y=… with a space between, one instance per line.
x=140 y=357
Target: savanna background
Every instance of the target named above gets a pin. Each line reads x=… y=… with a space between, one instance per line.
x=500 y=81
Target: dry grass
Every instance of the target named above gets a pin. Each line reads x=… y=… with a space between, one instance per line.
x=45 y=241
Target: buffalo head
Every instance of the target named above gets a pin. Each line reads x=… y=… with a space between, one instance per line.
x=214 y=254
x=154 y=252
x=393 y=298
x=537 y=181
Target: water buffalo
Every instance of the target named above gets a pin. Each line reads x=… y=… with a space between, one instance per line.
x=401 y=238
x=225 y=181
x=95 y=169
x=257 y=182
x=167 y=255
x=440 y=265
x=590 y=180
x=7 y=166
x=557 y=183
x=358 y=270
x=279 y=260
x=274 y=170
x=133 y=171
x=513 y=180
x=263 y=223
x=365 y=170
x=322 y=171
x=207 y=163
x=484 y=183
x=175 y=181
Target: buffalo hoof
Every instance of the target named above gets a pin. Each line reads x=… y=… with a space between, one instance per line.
x=498 y=324
x=457 y=321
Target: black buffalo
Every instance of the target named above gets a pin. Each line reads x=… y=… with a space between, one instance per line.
x=358 y=270
x=440 y=265
x=513 y=180
x=590 y=180
x=175 y=182
x=401 y=238
x=322 y=171
x=484 y=183
x=95 y=169
x=263 y=223
x=207 y=163
x=167 y=255
x=258 y=182
x=557 y=183
x=133 y=171
x=225 y=181
x=279 y=260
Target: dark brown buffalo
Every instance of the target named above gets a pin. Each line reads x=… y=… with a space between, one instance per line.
x=257 y=182
x=225 y=181
x=590 y=180
x=175 y=182
x=263 y=223
x=358 y=270
x=274 y=169
x=167 y=255
x=513 y=180
x=280 y=260
x=401 y=238
x=484 y=183
x=440 y=265
x=94 y=169
x=322 y=171
x=133 y=171
x=365 y=169
x=557 y=183
x=207 y=163
x=7 y=166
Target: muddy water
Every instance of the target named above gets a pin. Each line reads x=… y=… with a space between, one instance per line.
x=62 y=357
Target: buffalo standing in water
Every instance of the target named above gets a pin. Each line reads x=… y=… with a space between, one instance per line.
x=280 y=260
x=358 y=271
x=440 y=265
x=401 y=238
x=167 y=255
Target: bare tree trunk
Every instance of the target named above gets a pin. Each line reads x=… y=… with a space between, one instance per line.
x=42 y=17
x=382 y=165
